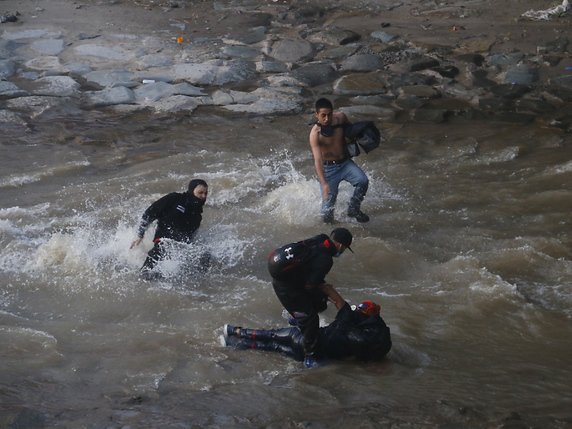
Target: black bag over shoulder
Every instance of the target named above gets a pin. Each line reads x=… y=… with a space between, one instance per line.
x=363 y=133
x=287 y=259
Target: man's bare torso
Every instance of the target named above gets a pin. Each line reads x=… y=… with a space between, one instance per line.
x=332 y=148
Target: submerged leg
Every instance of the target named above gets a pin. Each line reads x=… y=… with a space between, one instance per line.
x=156 y=254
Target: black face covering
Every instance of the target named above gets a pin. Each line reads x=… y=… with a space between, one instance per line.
x=192 y=185
x=327 y=130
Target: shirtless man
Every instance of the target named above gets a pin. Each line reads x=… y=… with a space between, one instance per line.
x=333 y=164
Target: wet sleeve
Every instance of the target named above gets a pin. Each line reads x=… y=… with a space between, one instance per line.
x=345 y=314
x=154 y=212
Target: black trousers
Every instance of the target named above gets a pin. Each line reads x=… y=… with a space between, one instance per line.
x=284 y=340
x=304 y=305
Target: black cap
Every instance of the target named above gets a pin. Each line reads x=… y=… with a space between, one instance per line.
x=342 y=236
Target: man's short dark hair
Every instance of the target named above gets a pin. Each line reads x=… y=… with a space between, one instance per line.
x=324 y=103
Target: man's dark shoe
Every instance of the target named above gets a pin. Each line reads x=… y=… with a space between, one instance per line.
x=328 y=217
x=358 y=215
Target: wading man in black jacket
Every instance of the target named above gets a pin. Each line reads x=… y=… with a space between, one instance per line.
x=178 y=217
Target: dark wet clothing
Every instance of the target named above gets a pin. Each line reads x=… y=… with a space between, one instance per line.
x=178 y=217
x=354 y=333
x=351 y=334
x=292 y=268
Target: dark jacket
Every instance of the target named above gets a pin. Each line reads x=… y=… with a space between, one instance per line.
x=353 y=333
x=303 y=262
x=178 y=216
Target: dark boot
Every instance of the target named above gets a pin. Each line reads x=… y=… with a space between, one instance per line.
x=355 y=204
x=358 y=215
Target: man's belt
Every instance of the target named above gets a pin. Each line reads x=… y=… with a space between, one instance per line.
x=334 y=162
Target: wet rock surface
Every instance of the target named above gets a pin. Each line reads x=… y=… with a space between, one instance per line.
x=276 y=58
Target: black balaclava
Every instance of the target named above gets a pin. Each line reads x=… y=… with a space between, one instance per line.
x=192 y=185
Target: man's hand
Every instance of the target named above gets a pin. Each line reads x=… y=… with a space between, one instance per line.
x=136 y=242
x=333 y=295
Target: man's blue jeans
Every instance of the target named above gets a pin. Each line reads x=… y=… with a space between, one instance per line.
x=350 y=172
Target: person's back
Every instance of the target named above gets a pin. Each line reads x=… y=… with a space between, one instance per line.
x=291 y=262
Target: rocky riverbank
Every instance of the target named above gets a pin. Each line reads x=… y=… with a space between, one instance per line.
x=391 y=61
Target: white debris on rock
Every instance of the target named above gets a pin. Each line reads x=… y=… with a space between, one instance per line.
x=547 y=14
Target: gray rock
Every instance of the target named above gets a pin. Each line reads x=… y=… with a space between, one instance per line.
x=266 y=101
x=29 y=75
x=7 y=68
x=410 y=102
x=407 y=79
x=56 y=86
x=152 y=92
x=112 y=78
x=460 y=92
x=106 y=52
x=362 y=63
x=110 y=97
x=422 y=64
x=31 y=34
x=9 y=117
x=449 y=71
x=421 y=91
x=337 y=53
x=45 y=63
x=271 y=66
x=367 y=110
x=505 y=59
x=240 y=51
x=280 y=80
x=383 y=36
x=361 y=84
x=375 y=100
x=48 y=46
x=222 y=98
x=37 y=105
x=521 y=74
x=315 y=74
x=77 y=68
x=215 y=72
x=510 y=91
x=479 y=78
x=6 y=48
x=291 y=50
x=155 y=60
x=177 y=103
x=429 y=115
x=476 y=59
x=562 y=87
x=11 y=90
x=248 y=37
x=334 y=36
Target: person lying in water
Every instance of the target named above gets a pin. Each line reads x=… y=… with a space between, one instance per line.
x=359 y=333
